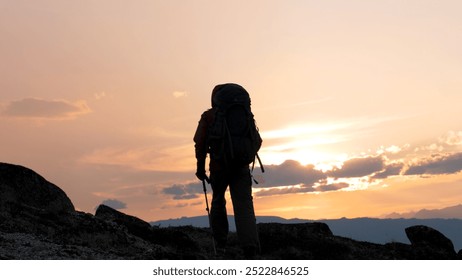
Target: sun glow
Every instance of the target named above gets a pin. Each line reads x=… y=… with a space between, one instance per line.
x=307 y=143
x=304 y=129
x=320 y=159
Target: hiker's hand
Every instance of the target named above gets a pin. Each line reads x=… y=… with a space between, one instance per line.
x=200 y=173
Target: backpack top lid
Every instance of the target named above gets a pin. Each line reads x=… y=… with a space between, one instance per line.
x=229 y=93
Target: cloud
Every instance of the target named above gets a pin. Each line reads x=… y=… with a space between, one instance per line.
x=100 y=95
x=120 y=156
x=393 y=169
x=36 y=108
x=174 y=158
x=302 y=189
x=181 y=205
x=178 y=205
x=333 y=187
x=282 y=191
x=184 y=191
x=180 y=94
x=114 y=203
x=292 y=177
x=359 y=167
x=436 y=165
x=291 y=173
x=430 y=147
x=393 y=149
x=452 y=138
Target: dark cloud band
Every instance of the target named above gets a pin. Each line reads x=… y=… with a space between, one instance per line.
x=293 y=177
x=437 y=165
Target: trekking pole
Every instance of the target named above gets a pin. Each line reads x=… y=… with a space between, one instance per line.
x=208 y=214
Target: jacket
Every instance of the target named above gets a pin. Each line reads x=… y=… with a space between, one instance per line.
x=200 y=140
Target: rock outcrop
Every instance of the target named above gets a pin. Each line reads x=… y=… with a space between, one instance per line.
x=38 y=221
x=430 y=242
x=133 y=225
x=23 y=188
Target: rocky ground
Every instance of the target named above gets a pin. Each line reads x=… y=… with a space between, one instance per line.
x=38 y=221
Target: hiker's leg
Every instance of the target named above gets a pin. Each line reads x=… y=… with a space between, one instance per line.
x=241 y=195
x=218 y=215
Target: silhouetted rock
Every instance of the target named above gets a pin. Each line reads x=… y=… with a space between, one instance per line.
x=293 y=241
x=133 y=224
x=38 y=221
x=21 y=187
x=431 y=243
x=316 y=241
x=176 y=238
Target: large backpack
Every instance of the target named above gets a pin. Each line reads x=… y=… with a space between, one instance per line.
x=233 y=136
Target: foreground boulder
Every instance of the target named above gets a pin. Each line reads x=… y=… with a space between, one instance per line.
x=21 y=187
x=430 y=243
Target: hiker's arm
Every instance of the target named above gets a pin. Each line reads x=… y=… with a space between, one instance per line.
x=200 y=140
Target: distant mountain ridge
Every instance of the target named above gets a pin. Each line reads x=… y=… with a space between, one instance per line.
x=373 y=230
x=453 y=212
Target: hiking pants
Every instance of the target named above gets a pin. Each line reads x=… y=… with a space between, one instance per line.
x=240 y=186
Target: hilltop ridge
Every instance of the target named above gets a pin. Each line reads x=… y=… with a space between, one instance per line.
x=39 y=221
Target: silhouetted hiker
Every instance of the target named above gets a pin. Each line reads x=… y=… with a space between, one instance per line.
x=228 y=133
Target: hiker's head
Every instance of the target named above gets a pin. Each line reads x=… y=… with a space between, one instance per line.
x=214 y=93
x=228 y=87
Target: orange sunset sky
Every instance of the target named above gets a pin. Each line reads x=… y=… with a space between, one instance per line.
x=358 y=102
